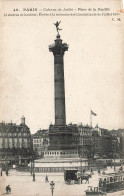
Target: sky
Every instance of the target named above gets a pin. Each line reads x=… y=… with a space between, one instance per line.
x=93 y=67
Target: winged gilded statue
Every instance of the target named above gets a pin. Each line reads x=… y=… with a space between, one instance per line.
x=57 y=26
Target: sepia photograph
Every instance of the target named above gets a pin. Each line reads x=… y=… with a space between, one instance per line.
x=62 y=98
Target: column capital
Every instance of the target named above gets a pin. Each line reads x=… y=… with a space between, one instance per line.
x=58 y=48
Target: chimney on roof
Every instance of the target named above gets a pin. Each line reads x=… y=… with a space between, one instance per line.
x=23 y=120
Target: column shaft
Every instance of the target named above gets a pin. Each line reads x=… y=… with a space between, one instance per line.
x=59 y=90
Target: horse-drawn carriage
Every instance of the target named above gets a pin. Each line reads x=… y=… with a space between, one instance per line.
x=73 y=176
x=70 y=176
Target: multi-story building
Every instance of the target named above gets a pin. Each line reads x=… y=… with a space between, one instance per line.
x=40 y=142
x=88 y=141
x=85 y=141
x=105 y=144
x=75 y=135
x=15 y=142
x=97 y=144
x=119 y=141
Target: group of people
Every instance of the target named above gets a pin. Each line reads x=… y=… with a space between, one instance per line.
x=46 y=178
x=102 y=184
x=7 y=172
x=8 y=188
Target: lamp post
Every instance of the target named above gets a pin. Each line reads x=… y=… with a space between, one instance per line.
x=33 y=167
x=81 y=168
x=31 y=160
x=114 y=164
x=52 y=184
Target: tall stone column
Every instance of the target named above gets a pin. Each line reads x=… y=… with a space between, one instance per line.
x=58 y=49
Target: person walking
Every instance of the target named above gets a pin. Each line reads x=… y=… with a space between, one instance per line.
x=99 y=172
x=46 y=178
x=84 y=171
x=7 y=173
x=1 y=172
x=92 y=171
x=33 y=176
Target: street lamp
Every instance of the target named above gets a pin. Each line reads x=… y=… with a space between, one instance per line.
x=81 y=168
x=32 y=167
x=52 y=184
x=31 y=161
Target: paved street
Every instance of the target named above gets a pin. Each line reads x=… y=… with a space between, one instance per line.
x=23 y=185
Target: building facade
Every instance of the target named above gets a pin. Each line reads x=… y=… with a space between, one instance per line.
x=15 y=143
x=89 y=142
x=119 y=142
x=85 y=141
x=105 y=144
x=40 y=142
x=97 y=144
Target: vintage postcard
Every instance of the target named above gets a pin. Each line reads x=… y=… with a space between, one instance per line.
x=61 y=98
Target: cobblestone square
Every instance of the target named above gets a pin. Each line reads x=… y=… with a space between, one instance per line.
x=22 y=184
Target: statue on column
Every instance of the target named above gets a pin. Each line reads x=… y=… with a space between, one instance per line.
x=57 y=26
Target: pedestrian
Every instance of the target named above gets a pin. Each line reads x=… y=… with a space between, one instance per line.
x=8 y=189
x=100 y=184
x=1 y=172
x=46 y=178
x=92 y=171
x=33 y=176
x=115 y=168
x=121 y=168
x=99 y=171
x=7 y=173
x=104 y=184
x=84 y=170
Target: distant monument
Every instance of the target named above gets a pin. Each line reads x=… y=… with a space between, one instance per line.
x=62 y=152
x=61 y=135
x=58 y=50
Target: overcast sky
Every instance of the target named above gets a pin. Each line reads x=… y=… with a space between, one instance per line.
x=93 y=65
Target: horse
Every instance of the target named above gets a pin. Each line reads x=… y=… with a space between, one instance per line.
x=85 y=177
x=8 y=189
